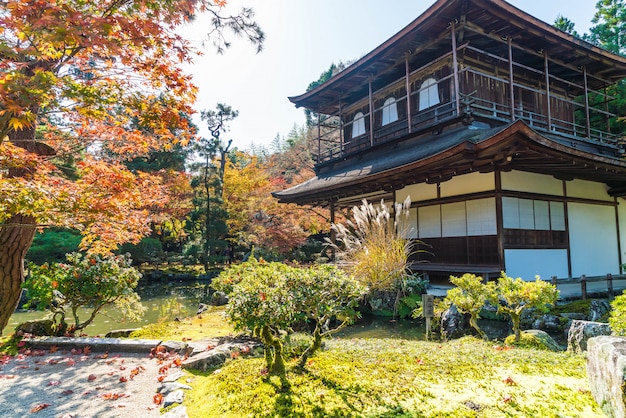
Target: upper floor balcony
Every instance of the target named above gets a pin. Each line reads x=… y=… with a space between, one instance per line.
x=469 y=85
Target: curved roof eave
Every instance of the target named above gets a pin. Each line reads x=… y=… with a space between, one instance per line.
x=315 y=188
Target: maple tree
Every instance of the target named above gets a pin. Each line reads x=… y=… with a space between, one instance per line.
x=85 y=85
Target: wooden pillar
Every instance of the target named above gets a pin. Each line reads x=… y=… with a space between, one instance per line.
x=341 y=148
x=371 y=105
x=583 y=287
x=511 y=87
x=408 y=91
x=609 y=286
x=619 y=238
x=548 y=106
x=567 y=241
x=587 y=102
x=319 y=138
x=606 y=109
x=455 y=64
x=499 y=220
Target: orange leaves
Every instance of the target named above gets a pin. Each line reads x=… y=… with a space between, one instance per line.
x=157 y=399
x=509 y=381
x=112 y=396
x=39 y=407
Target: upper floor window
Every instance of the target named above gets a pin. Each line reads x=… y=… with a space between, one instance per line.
x=390 y=111
x=429 y=94
x=358 y=125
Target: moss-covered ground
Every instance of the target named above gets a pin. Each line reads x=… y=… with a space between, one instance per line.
x=399 y=376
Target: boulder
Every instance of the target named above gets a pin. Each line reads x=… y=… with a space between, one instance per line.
x=452 y=323
x=219 y=299
x=207 y=359
x=581 y=331
x=120 y=333
x=167 y=387
x=534 y=338
x=43 y=327
x=598 y=308
x=178 y=412
x=606 y=366
x=177 y=396
x=201 y=308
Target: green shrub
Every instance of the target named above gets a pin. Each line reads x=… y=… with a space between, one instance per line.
x=269 y=298
x=88 y=281
x=617 y=317
x=517 y=295
x=470 y=295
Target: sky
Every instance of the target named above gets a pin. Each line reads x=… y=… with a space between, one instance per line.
x=303 y=37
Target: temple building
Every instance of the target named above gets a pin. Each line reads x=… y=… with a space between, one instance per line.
x=497 y=125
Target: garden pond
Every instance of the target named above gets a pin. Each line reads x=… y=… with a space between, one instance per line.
x=164 y=302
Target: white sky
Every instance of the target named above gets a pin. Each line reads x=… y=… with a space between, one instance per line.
x=303 y=37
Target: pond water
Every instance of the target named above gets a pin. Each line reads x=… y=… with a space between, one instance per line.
x=381 y=327
x=167 y=301
x=162 y=301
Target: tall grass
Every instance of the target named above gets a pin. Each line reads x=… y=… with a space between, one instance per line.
x=373 y=246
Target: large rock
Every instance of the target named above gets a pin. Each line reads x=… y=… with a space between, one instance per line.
x=598 y=308
x=208 y=359
x=581 y=331
x=219 y=299
x=42 y=327
x=534 y=338
x=452 y=323
x=606 y=364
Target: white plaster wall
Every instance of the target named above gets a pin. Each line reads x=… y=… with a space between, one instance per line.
x=588 y=190
x=593 y=239
x=417 y=192
x=429 y=221
x=468 y=183
x=531 y=182
x=530 y=263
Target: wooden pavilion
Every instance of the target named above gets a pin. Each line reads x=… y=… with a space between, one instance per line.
x=497 y=126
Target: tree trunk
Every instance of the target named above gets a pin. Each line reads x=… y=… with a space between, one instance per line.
x=16 y=236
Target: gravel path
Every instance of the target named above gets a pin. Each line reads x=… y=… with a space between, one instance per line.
x=64 y=384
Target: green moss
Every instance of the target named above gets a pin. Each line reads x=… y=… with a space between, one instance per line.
x=377 y=377
x=532 y=341
x=577 y=306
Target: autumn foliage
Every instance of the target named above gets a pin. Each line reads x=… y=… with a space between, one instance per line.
x=85 y=87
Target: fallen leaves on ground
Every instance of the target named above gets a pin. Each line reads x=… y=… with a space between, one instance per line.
x=39 y=407
x=113 y=396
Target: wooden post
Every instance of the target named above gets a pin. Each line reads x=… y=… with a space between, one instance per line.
x=408 y=91
x=548 y=108
x=428 y=310
x=554 y=280
x=587 y=102
x=609 y=286
x=371 y=105
x=583 y=286
x=511 y=87
x=455 y=64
